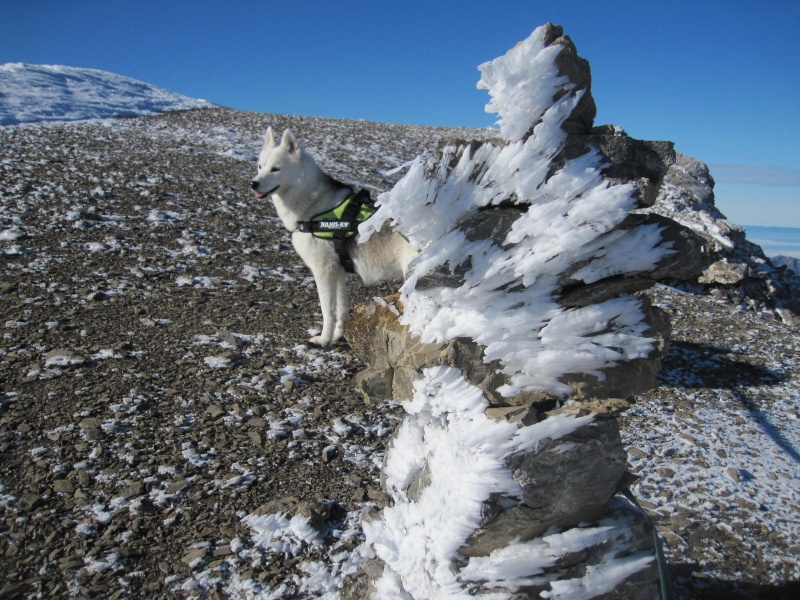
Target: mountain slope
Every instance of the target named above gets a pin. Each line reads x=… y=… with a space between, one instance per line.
x=161 y=403
x=165 y=430
x=34 y=93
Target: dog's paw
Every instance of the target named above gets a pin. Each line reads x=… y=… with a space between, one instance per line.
x=318 y=340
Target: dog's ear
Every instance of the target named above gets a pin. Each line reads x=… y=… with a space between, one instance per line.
x=289 y=143
x=269 y=139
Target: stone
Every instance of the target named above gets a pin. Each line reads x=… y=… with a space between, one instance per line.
x=64 y=358
x=133 y=490
x=600 y=291
x=328 y=454
x=317 y=513
x=28 y=502
x=686 y=261
x=631 y=377
x=595 y=449
x=520 y=415
x=356 y=586
x=723 y=272
x=393 y=367
x=605 y=407
x=578 y=71
x=402 y=365
x=178 y=486
x=564 y=482
x=228 y=339
x=375 y=384
x=63 y=486
x=491 y=225
x=83 y=478
x=501 y=527
x=194 y=557
x=643 y=163
x=256 y=422
x=215 y=411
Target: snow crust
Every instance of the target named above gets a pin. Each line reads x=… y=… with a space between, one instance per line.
x=36 y=93
x=508 y=299
x=281 y=533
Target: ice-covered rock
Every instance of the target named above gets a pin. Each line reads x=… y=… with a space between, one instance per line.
x=522 y=297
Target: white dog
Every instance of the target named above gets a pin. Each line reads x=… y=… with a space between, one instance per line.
x=318 y=211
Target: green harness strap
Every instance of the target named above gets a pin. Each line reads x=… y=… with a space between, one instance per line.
x=341 y=219
x=341 y=223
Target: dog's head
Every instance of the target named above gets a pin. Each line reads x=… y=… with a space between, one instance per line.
x=277 y=164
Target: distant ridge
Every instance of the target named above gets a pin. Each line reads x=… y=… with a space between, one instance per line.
x=787 y=261
x=36 y=93
x=775 y=241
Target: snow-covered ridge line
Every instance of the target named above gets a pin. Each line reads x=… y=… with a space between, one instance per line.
x=38 y=93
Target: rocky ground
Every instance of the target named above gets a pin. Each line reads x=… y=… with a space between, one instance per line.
x=162 y=417
x=717 y=447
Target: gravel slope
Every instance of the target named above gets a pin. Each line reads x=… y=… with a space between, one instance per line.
x=162 y=417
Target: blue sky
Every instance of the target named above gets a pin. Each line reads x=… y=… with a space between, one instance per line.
x=719 y=78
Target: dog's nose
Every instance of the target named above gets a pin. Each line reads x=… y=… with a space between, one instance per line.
x=254 y=184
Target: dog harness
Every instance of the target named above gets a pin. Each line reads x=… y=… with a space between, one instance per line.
x=341 y=224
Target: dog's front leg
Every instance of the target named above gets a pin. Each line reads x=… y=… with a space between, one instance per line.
x=342 y=308
x=329 y=281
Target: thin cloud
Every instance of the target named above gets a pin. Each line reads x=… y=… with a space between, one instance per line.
x=755 y=175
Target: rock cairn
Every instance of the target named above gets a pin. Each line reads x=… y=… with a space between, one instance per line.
x=518 y=337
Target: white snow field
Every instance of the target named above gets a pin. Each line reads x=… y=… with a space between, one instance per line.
x=35 y=93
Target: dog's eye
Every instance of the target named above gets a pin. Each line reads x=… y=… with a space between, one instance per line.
x=274 y=169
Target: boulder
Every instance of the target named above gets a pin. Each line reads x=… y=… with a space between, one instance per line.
x=567 y=481
x=579 y=73
x=395 y=357
x=723 y=272
x=628 y=160
x=731 y=267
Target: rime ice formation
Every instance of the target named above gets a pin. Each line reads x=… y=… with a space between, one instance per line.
x=461 y=454
x=567 y=227
x=529 y=257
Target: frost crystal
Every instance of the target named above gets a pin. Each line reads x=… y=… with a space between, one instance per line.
x=448 y=442
x=566 y=230
x=502 y=229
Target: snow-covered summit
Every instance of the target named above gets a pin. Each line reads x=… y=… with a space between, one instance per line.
x=35 y=93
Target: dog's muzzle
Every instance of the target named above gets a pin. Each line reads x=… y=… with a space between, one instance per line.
x=254 y=184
